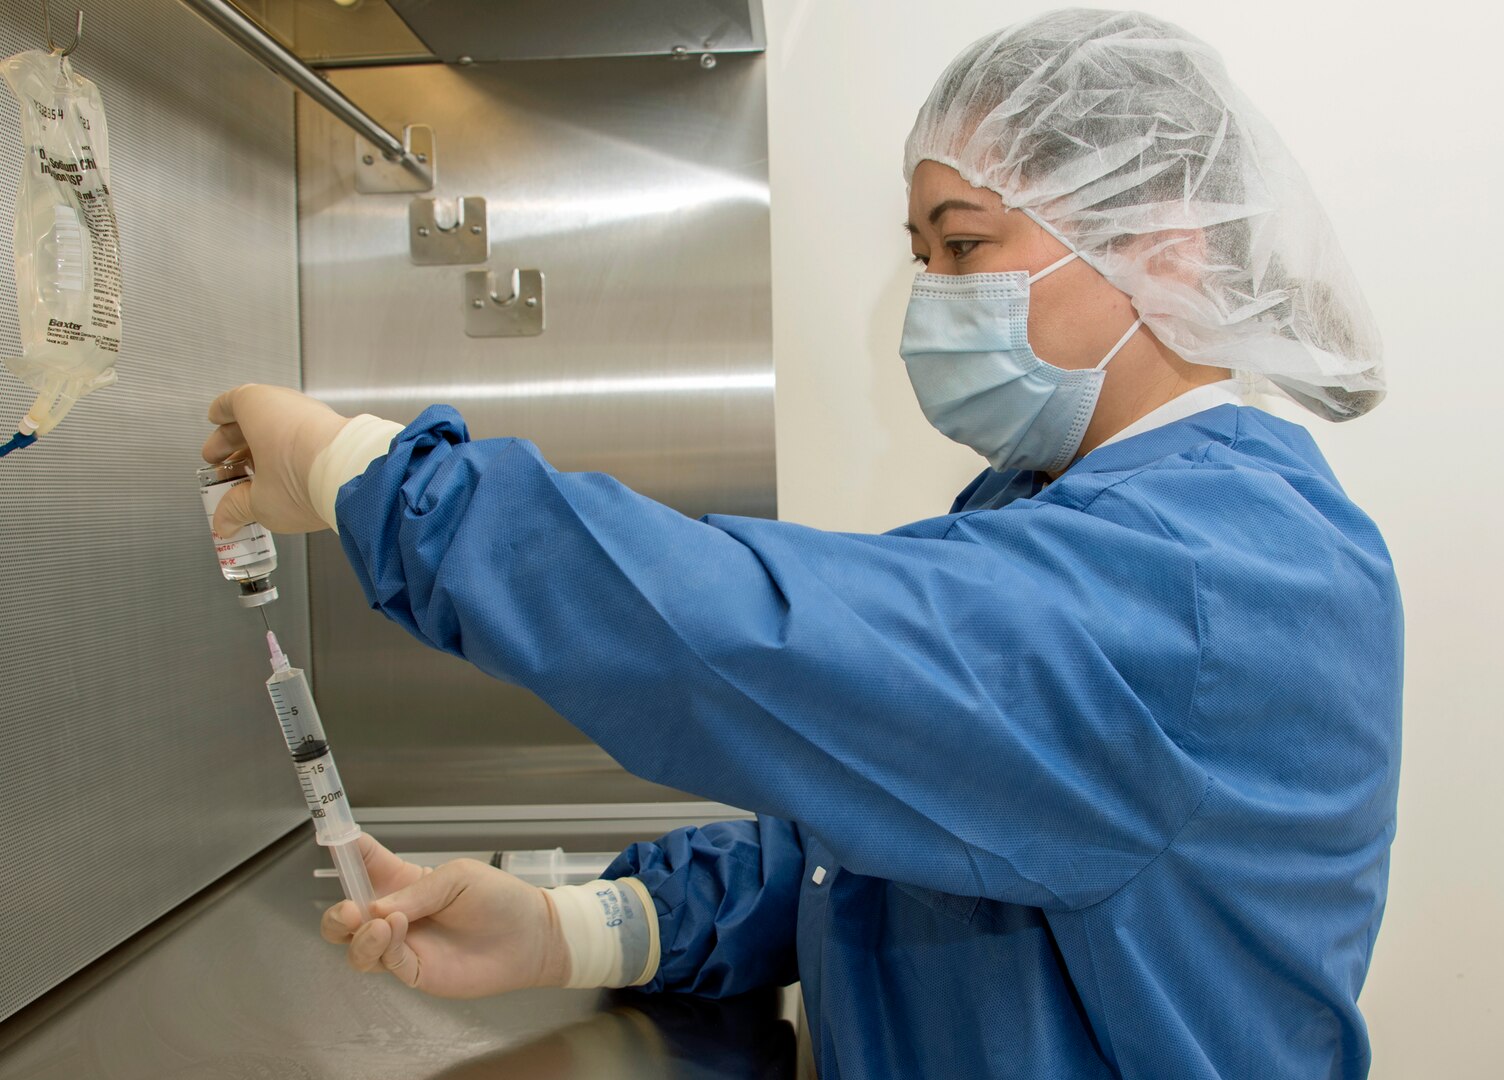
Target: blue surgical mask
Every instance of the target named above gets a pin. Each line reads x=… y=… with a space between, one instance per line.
x=965 y=343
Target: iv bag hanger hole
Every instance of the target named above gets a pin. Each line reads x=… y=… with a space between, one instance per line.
x=461 y=237
x=515 y=309
x=377 y=173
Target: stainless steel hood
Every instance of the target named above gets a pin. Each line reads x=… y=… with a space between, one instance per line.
x=638 y=187
x=465 y=31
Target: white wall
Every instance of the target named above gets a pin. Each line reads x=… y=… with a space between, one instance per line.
x=1394 y=113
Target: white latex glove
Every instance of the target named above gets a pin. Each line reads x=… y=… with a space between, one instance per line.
x=281 y=432
x=461 y=930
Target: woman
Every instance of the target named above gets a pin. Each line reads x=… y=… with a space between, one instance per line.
x=1094 y=775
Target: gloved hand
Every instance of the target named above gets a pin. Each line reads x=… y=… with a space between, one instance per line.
x=281 y=431
x=462 y=930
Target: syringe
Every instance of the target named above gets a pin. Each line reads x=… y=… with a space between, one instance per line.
x=334 y=826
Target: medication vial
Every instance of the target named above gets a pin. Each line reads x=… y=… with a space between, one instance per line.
x=248 y=557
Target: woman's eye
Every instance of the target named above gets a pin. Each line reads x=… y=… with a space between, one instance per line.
x=961 y=248
x=922 y=260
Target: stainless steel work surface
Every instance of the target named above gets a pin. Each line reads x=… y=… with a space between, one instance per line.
x=639 y=188
x=246 y=990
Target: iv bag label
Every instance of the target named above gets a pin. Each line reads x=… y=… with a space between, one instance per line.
x=104 y=252
x=252 y=544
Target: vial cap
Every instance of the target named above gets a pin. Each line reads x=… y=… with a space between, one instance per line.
x=257 y=591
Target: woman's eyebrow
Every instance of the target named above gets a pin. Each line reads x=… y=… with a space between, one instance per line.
x=952 y=204
x=941 y=210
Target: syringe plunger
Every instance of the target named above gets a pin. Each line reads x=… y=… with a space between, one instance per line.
x=352 y=875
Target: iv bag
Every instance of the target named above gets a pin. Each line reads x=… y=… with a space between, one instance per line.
x=67 y=246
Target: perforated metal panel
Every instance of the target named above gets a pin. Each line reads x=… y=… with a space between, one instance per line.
x=138 y=759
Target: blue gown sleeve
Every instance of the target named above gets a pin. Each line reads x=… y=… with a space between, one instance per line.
x=967 y=705
x=727 y=896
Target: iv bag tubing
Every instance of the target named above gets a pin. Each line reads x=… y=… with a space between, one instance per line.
x=18 y=441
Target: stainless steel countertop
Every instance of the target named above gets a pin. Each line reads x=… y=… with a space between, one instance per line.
x=244 y=989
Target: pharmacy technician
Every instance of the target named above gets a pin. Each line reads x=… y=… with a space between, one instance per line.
x=1093 y=775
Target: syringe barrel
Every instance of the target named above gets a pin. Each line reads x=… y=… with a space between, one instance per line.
x=303 y=732
x=299 y=716
x=327 y=805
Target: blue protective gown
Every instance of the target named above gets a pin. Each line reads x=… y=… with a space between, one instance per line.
x=1101 y=775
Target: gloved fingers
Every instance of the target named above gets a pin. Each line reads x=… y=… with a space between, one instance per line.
x=388 y=871
x=430 y=893
x=226 y=439
x=234 y=510
x=222 y=408
x=369 y=942
x=398 y=958
x=340 y=922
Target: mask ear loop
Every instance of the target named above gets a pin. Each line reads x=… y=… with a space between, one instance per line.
x=1056 y=265
x=1046 y=226
x=1058 y=235
x=1121 y=342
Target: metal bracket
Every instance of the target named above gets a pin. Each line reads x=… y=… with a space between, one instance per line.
x=518 y=314
x=378 y=174
x=464 y=240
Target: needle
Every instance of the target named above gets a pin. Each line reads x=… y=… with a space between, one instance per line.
x=264 y=619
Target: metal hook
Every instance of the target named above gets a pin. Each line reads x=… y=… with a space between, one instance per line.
x=518 y=314
x=515 y=295
x=78 y=32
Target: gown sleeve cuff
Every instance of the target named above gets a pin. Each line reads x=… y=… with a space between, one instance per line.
x=360 y=442
x=611 y=931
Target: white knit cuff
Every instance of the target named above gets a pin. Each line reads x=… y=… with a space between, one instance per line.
x=611 y=931
x=360 y=442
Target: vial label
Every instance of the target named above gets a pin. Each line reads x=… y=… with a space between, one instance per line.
x=249 y=546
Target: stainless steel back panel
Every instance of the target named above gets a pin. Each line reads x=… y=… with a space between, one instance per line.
x=639 y=188
x=138 y=757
